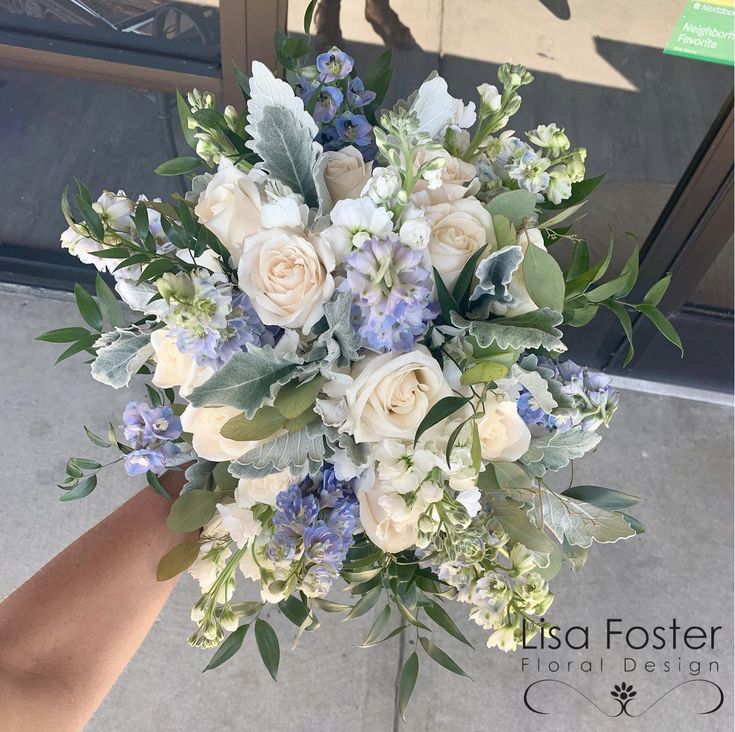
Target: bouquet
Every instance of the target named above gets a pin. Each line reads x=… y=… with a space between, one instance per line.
x=349 y=332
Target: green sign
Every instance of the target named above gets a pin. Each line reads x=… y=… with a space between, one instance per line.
x=705 y=31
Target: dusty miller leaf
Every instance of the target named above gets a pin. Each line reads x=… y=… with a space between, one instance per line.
x=554 y=450
x=494 y=274
x=117 y=360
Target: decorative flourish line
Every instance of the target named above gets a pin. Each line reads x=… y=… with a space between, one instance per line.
x=624 y=695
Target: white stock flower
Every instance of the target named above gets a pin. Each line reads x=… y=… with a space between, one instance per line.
x=175 y=368
x=345 y=173
x=204 y=424
x=458 y=229
x=230 y=207
x=238 y=520
x=354 y=221
x=287 y=277
x=402 y=467
x=504 y=436
x=391 y=394
x=391 y=533
x=470 y=499
x=81 y=246
x=383 y=185
x=415 y=230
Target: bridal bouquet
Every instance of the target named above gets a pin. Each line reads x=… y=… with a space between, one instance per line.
x=349 y=335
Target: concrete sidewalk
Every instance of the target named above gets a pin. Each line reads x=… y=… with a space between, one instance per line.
x=674 y=453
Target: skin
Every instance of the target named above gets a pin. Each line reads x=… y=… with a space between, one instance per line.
x=70 y=630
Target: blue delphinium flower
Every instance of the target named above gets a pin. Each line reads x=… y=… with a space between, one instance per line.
x=150 y=432
x=530 y=172
x=357 y=95
x=393 y=294
x=532 y=413
x=244 y=328
x=327 y=103
x=334 y=65
x=354 y=129
x=314 y=522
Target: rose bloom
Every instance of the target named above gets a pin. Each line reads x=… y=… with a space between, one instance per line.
x=345 y=173
x=250 y=491
x=521 y=301
x=458 y=230
x=389 y=533
x=504 y=436
x=455 y=175
x=391 y=394
x=230 y=207
x=174 y=368
x=287 y=277
x=204 y=424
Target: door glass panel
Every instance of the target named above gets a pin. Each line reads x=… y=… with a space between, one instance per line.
x=714 y=291
x=189 y=29
x=600 y=72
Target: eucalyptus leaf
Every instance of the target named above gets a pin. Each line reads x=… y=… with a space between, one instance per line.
x=295 y=397
x=265 y=422
x=516 y=206
x=191 y=510
x=543 y=278
x=177 y=560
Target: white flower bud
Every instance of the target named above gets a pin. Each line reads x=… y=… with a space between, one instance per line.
x=490 y=96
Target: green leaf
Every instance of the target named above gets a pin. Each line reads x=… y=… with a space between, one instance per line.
x=657 y=291
x=245 y=381
x=365 y=603
x=461 y=289
x=408 y=615
x=88 y=307
x=580 y=262
x=536 y=329
x=230 y=646
x=294 y=610
x=440 y=411
x=109 y=304
x=331 y=607
x=601 y=497
x=63 y=335
x=505 y=232
x=517 y=206
x=440 y=616
x=155 y=269
x=184 y=117
x=619 y=286
x=516 y=523
x=294 y=398
x=178 y=166
x=484 y=372
x=576 y=555
x=223 y=478
x=157 y=486
x=91 y=219
x=265 y=422
x=377 y=627
x=177 y=560
x=407 y=683
x=446 y=302
x=268 y=647
x=83 y=344
x=441 y=658
x=622 y=315
x=578 y=317
x=543 y=278
x=191 y=510
x=377 y=77
x=659 y=320
x=634 y=523
x=96 y=439
x=83 y=488
x=580 y=282
x=308 y=14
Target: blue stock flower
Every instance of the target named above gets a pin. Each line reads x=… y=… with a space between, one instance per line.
x=334 y=65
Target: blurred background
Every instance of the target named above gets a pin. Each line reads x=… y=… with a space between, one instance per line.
x=87 y=90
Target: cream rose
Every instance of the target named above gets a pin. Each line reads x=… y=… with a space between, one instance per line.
x=389 y=533
x=174 y=368
x=391 y=394
x=504 y=436
x=458 y=230
x=230 y=207
x=204 y=424
x=262 y=490
x=287 y=277
x=345 y=173
x=455 y=175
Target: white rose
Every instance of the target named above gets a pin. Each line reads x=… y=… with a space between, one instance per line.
x=389 y=533
x=455 y=175
x=520 y=301
x=230 y=207
x=262 y=490
x=174 y=368
x=384 y=185
x=458 y=230
x=204 y=424
x=391 y=394
x=287 y=277
x=504 y=436
x=345 y=173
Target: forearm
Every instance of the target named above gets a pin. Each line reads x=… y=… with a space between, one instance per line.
x=69 y=631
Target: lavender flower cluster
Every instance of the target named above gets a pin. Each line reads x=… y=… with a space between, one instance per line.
x=315 y=520
x=393 y=293
x=338 y=99
x=151 y=432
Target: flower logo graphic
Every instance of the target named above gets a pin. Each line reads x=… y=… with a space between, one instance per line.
x=623 y=693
